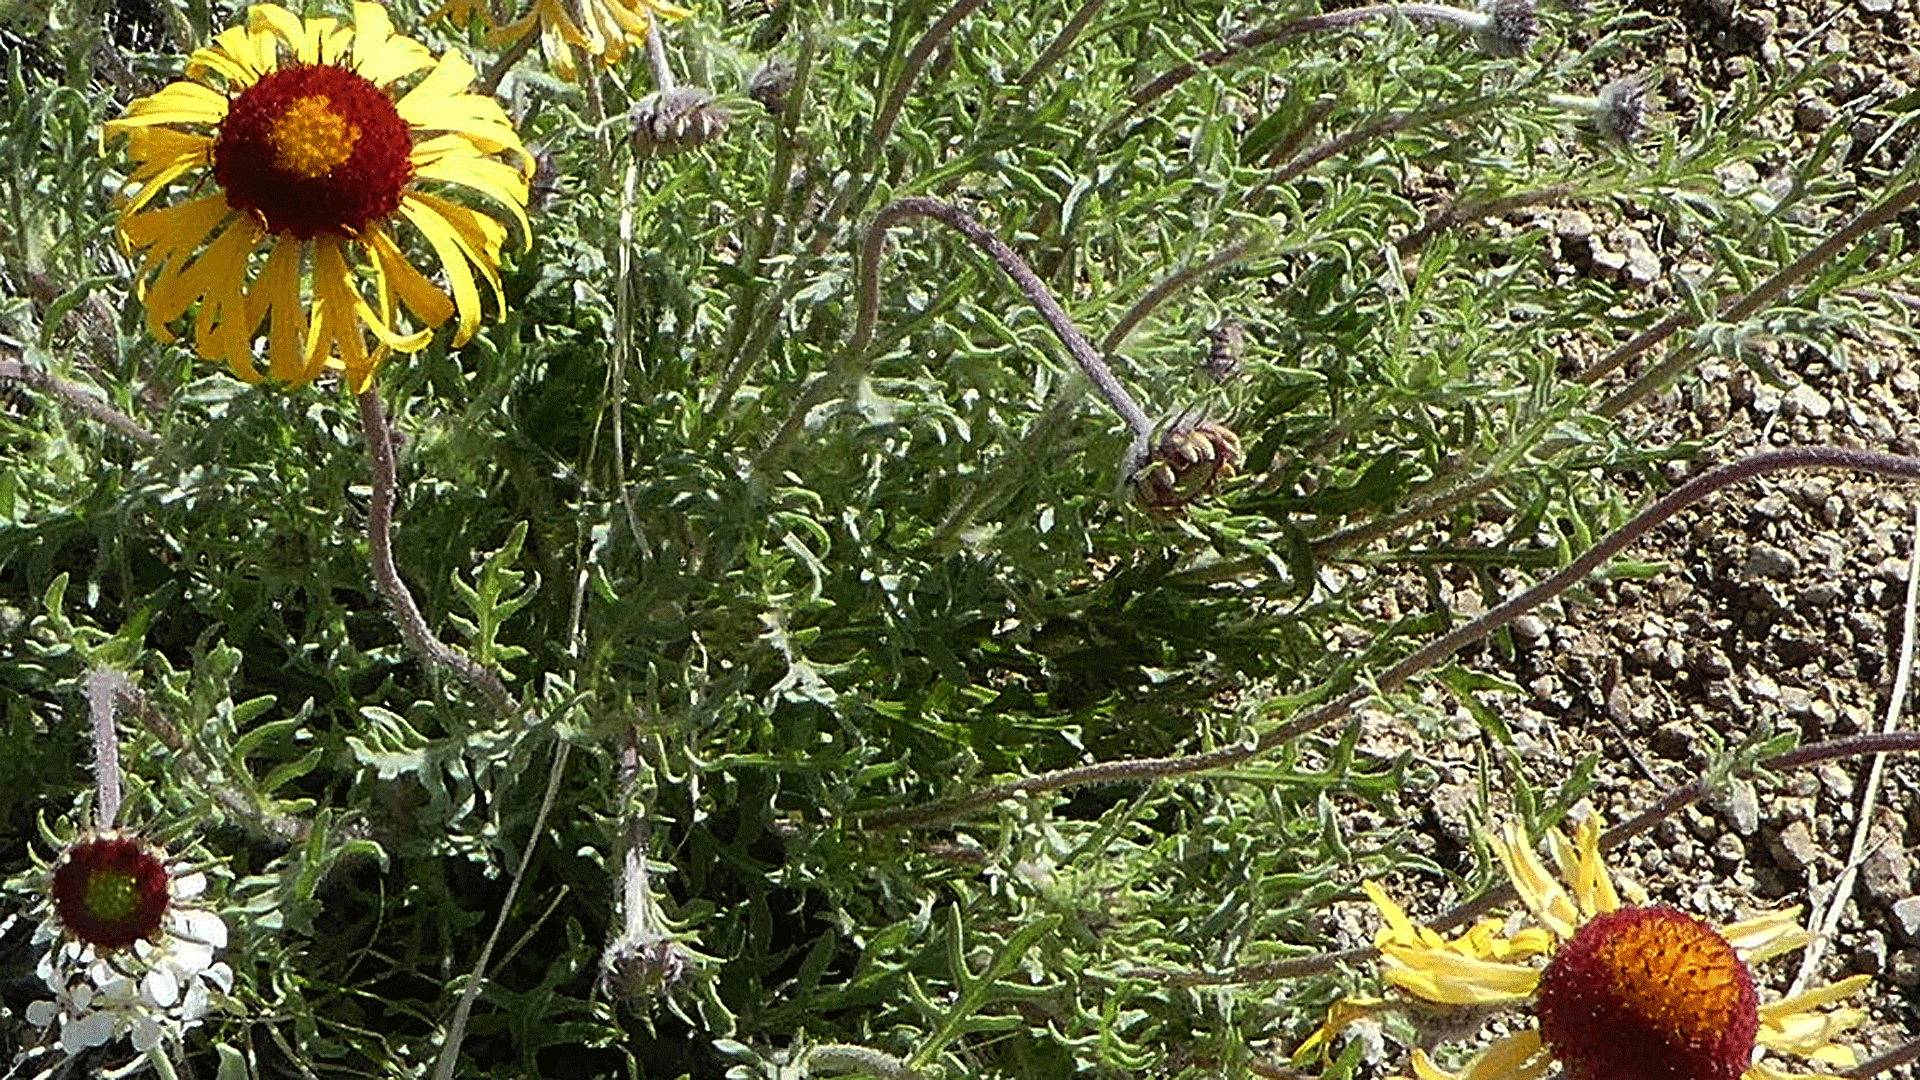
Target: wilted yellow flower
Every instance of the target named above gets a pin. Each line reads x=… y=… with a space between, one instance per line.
x=300 y=143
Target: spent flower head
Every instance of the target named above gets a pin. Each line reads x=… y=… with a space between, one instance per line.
x=302 y=144
x=1628 y=991
x=1620 y=112
x=129 y=951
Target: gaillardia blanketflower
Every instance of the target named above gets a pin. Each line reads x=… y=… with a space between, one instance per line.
x=602 y=29
x=129 y=952
x=302 y=142
x=1633 y=991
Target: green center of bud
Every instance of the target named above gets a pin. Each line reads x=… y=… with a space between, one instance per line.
x=112 y=894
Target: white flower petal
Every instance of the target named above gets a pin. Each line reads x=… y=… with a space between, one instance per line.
x=162 y=987
x=204 y=927
x=146 y=1033
x=188 y=886
x=93 y=1029
x=41 y=1013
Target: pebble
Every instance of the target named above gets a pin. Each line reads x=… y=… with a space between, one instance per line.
x=1798 y=851
x=1886 y=873
x=1906 y=917
x=1805 y=401
x=1741 y=805
x=1768 y=561
x=1903 y=969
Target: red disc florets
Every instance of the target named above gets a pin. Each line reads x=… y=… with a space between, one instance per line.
x=314 y=148
x=1648 y=994
x=111 y=891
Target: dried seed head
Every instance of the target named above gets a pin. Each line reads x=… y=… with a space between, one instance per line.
x=1510 y=29
x=644 y=969
x=1623 y=107
x=1189 y=462
x=678 y=119
x=770 y=84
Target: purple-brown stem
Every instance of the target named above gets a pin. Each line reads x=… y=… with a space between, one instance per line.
x=406 y=613
x=1755 y=465
x=1904 y=742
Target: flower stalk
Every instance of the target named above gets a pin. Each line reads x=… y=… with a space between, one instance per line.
x=386 y=576
x=1765 y=463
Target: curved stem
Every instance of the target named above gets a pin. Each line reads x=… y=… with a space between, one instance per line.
x=1906 y=742
x=1435 y=651
x=1062 y=41
x=1173 y=282
x=1015 y=267
x=1248 y=40
x=498 y=69
x=79 y=398
x=406 y=613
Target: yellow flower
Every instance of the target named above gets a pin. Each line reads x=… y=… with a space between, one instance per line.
x=301 y=143
x=1628 y=991
x=603 y=29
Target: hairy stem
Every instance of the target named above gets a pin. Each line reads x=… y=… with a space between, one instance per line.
x=406 y=613
x=1755 y=465
x=1179 y=278
x=105 y=688
x=498 y=69
x=1739 y=307
x=78 y=398
x=1015 y=267
x=1062 y=41
x=1248 y=40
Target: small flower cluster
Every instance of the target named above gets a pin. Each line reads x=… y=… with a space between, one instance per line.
x=128 y=953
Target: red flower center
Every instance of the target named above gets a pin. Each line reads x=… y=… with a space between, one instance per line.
x=313 y=148
x=111 y=892
x=1648 y=994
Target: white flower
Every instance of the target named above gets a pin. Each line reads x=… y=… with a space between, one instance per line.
x=150 y=992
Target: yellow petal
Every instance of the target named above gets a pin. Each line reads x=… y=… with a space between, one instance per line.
x=1538 y=891
x=175 y=103
x=501 y=183
x=428 y=304
x=460 y=236
x=1453 y=979
x=276 y=296
x=222 y=329
x=335 y=338
x=162 y=156
x=1519 y=1056
x=1766 y=936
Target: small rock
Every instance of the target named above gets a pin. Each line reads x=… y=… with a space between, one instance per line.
x=1797 y=850
x=1903 y=969
x=1741 y=806
x=1906 y=917
x=1869 y=952
x=1529 y=628
x=1812 y=114
x=1886 y=871
x=1768 y=561
x=1728 y=851
x=1808 y=402
x=1671 y=741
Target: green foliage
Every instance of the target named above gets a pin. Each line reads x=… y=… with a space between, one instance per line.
x=750 y=642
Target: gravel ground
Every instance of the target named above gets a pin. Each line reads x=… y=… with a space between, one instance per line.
x=1779 y=603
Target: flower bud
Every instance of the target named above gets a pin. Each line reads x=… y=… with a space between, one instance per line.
x=682 y=118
